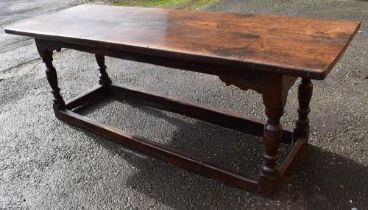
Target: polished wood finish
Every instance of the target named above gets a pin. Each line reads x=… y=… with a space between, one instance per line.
x=274 y=99
x=296 y=46
x=259 y=52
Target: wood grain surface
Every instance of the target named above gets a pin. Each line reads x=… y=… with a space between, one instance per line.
x=297 y=46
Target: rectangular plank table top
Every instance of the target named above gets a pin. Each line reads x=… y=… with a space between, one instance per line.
x=298 y=46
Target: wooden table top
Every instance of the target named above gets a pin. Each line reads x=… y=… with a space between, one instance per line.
x=297 y=46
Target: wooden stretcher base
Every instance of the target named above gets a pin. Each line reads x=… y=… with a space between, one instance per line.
x=69 y=114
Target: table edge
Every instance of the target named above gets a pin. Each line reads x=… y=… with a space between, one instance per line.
x=185 y=56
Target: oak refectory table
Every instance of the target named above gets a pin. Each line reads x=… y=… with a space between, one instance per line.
x=259 y=52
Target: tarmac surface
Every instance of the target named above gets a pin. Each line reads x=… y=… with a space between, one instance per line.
x=47 y=164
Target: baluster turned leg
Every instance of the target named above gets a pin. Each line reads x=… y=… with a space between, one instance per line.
x=52 y=78
x=274 y=99
x=104 y=77
x=305 y=91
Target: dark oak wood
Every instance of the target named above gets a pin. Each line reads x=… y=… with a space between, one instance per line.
x=46 y=55
x=274 y=99
x=87 y=98
x=212 y=115
x=104 y=77
x=296 y=46
x=259 y=52
x=266 y=184
x=221 y=173
x=292 y=158
x=305 y=92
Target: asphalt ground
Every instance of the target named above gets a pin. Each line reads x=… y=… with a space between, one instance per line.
x=47 y=164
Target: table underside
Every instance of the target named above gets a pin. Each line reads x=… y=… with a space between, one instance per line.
x=206 y=113
x=273 y=87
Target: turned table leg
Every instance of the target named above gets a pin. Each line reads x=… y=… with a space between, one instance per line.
x=274 y=99
x=104 y=77
x=305 y=92
x=51 y=75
